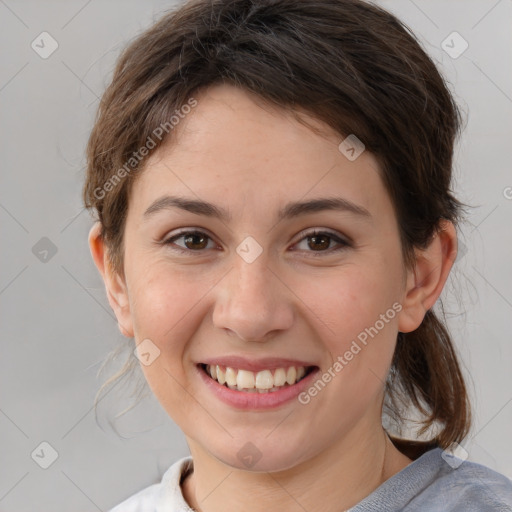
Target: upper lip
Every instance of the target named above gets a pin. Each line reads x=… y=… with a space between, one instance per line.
x=255 y=365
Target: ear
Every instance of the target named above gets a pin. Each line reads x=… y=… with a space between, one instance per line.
x=425 y=283
x=115 y=285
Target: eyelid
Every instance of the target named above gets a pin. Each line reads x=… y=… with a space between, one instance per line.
x=343 y=241
x=185 y=231
x=323 y=231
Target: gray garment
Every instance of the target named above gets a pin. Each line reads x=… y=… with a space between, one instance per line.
x=431 y=484
x=428 y=484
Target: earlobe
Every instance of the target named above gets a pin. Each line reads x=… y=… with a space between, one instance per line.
x=426 y=281
x=115 y=286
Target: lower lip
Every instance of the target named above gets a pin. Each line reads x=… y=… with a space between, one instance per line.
x=245 y=400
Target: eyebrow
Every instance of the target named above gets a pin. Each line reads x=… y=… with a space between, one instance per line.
x=287 y=212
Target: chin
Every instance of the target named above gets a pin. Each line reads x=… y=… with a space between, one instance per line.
x=260 y=455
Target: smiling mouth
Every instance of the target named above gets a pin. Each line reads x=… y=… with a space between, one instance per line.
x=265 y=381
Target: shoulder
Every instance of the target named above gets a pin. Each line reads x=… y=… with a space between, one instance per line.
x=463 y=486
x=436 y=482
x=160 y=496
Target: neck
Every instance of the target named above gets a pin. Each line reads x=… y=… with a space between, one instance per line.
x=338 y=478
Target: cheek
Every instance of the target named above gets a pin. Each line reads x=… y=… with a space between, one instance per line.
x=347 y=300
x=166 y=310
x=162 y=304
x=353 y=309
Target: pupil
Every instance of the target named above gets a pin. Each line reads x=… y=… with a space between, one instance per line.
x=191 y=238
x=314 y=238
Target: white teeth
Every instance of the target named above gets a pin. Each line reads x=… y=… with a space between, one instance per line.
x=245 y=379
x=279 y=377
x=291 y=375
x=230 y=376
x=264 y=379
x=261 y=382
x=221 y=376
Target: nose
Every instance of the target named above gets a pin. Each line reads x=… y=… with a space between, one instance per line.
x=252 y=302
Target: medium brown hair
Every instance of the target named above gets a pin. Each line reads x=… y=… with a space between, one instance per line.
x=349 y=64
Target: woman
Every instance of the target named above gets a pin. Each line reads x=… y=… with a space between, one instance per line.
x=274 y=226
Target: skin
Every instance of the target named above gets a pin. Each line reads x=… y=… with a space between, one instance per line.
x=237 y=153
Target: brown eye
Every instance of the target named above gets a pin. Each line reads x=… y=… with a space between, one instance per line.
x=192 y=241
x=321 y=242
x=195 y=241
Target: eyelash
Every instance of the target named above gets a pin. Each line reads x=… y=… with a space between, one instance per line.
x=343 y=243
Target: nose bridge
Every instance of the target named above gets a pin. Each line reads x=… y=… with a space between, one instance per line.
x=251 y=301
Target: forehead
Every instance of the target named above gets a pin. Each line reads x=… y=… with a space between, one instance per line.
x=234 y=150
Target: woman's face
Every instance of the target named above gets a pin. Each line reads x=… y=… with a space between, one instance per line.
x=255 y=289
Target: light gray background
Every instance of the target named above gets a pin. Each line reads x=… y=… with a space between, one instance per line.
x=57 y=326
